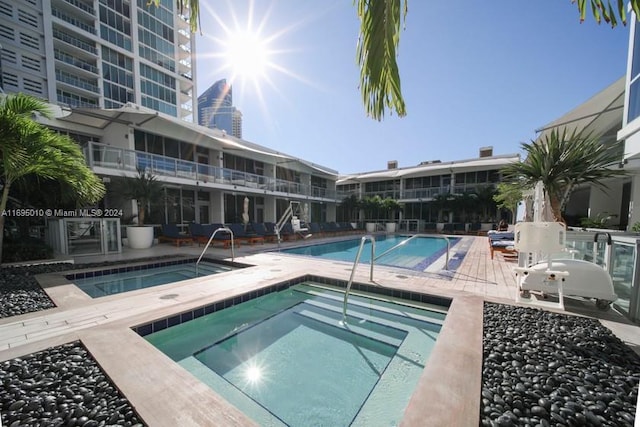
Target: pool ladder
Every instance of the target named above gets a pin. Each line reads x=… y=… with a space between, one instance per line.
x=228 y=230
x=374 y=258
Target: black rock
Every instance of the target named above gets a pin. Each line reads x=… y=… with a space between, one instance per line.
x=553 y=369
x=59 y=403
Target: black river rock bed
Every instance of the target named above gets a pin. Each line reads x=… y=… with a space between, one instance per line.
x=61 y=386
x=547 y=369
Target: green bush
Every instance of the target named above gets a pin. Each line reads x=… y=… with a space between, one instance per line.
x=25 y=250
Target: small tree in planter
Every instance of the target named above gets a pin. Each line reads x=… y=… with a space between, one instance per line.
x=144 y=189
x=390 y=206
x=371 y=207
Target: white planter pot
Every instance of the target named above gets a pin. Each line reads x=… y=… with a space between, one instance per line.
x=390 y=227
x=140 y=237
x=370 y=227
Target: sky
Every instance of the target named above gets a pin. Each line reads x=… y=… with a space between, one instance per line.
x=473 y=74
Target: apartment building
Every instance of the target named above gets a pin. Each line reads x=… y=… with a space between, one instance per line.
x=420 y=189
x=99 y=54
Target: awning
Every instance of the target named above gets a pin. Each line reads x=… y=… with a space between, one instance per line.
x=600 y=116
x=173 y=127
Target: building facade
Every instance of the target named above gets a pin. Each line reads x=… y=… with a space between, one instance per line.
x=216 y=110
x=432 y=192
x=99 y=54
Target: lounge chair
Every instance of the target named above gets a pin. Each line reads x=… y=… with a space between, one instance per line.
x=430 y=227
x=201 y=233
x=287 y=233
x=501 y=241
x=171 y=234
x=475 y=228
x=346 y=227
x=448 y=228
x=314 y=228
x=240 y=234
x=459 y=228
x=222 y=236
x=261 y=230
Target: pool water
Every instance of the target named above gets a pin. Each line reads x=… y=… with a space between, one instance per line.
x=109 y=284
x=417 y=254
x=286 y=359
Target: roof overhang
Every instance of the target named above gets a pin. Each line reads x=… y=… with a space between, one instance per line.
x=161 y=124
x=600 y=116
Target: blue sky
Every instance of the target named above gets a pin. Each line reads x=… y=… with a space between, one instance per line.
x=473 y=73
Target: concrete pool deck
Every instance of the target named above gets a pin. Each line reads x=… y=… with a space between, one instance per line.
x=165 y=394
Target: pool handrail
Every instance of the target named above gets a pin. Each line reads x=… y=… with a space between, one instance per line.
x=431 y=236
x=228 y=230
x=353 y=271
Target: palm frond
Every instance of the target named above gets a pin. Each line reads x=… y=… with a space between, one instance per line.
x=605 y=10
x=380 y=23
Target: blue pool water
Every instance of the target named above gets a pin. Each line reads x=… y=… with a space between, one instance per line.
x=109 y=284
x=286 y=359
x=417 y=254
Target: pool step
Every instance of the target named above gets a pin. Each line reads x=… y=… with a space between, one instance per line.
x=369 y=329
x=333 y=300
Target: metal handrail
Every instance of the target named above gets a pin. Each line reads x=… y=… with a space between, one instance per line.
x=430 y=236
x=228 y=230
x=353 y=272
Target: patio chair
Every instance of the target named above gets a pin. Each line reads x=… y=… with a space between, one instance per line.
x=261 y=230
x=430 y=227
x=475 y=228
x=448 y=228
x=315 y=228
x=222 y=236
x=287 y=232
x=201 y=233
x=171 y=234
x=241 y=235
x=501 y=241
x=459 y=228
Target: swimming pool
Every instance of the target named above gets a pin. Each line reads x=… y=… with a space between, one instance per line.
x=417 y=254
x=285 y=358
x=114 y=281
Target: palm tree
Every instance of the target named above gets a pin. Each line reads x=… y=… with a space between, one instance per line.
x=562 y=161
x=508 y=196
x=380 y=22
x=29 y=148
x=144 y=189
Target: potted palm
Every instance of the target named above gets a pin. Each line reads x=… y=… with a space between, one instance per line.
x=144 y=189
x=390 y=206
x=370 y=206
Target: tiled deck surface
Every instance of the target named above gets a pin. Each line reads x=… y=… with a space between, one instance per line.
x=165 y=394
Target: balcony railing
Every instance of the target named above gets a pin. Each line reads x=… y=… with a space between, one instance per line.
x=424 y=194
x=73 y=21
x=74 y=42
x=122 y=159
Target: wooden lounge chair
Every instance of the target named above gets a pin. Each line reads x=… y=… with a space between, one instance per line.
x=171 y=234
x=448 y=228
x=261 y=230
x=201 y=233
x=240 y=234
x=501 y=241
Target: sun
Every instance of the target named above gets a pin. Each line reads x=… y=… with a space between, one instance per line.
x=247 y=55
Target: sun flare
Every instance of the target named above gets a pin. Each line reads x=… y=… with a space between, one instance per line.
x=247 y=55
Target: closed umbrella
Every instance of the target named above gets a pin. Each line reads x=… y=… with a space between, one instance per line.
x=245 y=211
